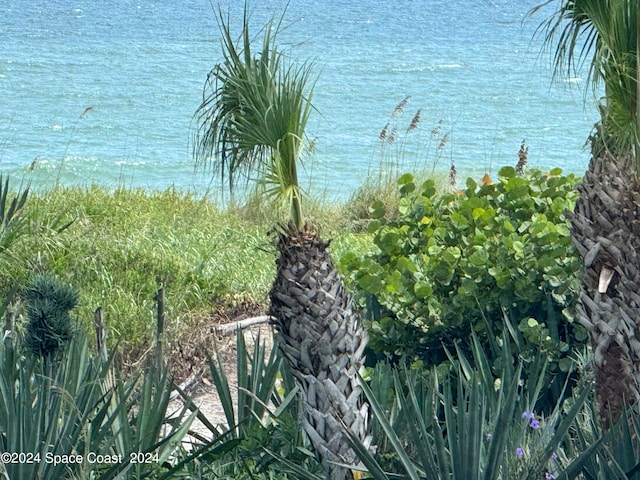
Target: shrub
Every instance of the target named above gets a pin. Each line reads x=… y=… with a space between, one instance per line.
x=48 y=303
x=52 y=419
x=466 y=260
x=465 y=423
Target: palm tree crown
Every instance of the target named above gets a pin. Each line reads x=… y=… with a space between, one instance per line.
x=604 y=33
x=253 y=115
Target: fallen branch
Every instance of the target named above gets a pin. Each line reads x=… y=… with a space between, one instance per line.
x=242 y=324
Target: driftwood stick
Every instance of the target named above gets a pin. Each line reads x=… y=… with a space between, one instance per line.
x=241 y=324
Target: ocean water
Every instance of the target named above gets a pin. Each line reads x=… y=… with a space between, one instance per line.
x=105 y=92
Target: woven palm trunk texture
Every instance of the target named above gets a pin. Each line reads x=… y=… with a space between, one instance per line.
x=323 y=341
x=605 y=227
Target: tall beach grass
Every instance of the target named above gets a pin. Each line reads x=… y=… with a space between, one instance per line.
x=118 y=245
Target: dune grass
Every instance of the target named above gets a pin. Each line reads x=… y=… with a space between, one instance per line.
x=117 y=247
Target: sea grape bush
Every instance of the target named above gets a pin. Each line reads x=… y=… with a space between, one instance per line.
x=451 y=262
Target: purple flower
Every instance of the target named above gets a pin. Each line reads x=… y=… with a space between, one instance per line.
x=519 y=452
x=549 y=476
x=554 y=455
x=489 y=436
x=534 y=424
x=527 y=415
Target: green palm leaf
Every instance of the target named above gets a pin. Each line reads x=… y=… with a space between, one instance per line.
x=603 y=33
x=253 y=116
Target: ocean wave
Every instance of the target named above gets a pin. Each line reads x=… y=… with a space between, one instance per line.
x=448 y=65
x=130 y=162
x=379 y=49
x=426 y=67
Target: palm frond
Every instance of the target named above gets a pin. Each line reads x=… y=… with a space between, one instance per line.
x=603 y=33
x=252 y=119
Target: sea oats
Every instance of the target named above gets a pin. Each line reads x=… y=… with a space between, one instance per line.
x=523 y=159
x=400 y=107
x=443 y=141
x=312 y=145
x=392 y=137
x=453 y=173
x=383 y=132
x=86 y=111
x=415 y=120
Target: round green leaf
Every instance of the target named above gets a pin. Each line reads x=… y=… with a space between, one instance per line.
x=422 y=289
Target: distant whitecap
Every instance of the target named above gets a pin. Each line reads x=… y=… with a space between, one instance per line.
x=129 y=162
x=380 y=53
x=425 y=66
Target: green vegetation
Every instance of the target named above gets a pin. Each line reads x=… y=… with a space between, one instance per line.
x=605 y=34
x=478 y=288
x=50 y=418
x=251 y=124
x=117 y=245
x=471 y=425
x=48 y=303
x=11 y=225
x=471 y=393
x=253 y=117
x=466 y=424
x=255 y=439
x=451 y=263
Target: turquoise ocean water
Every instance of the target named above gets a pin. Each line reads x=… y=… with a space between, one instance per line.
x=105 y=92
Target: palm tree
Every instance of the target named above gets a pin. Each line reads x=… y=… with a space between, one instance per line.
x=252 y=122
x=606 y=220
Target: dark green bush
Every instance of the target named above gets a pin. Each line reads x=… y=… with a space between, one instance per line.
x=449 y=263
x=48 y=304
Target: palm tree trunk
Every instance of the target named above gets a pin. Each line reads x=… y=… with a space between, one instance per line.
x=606 y=231
x=323 y=340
